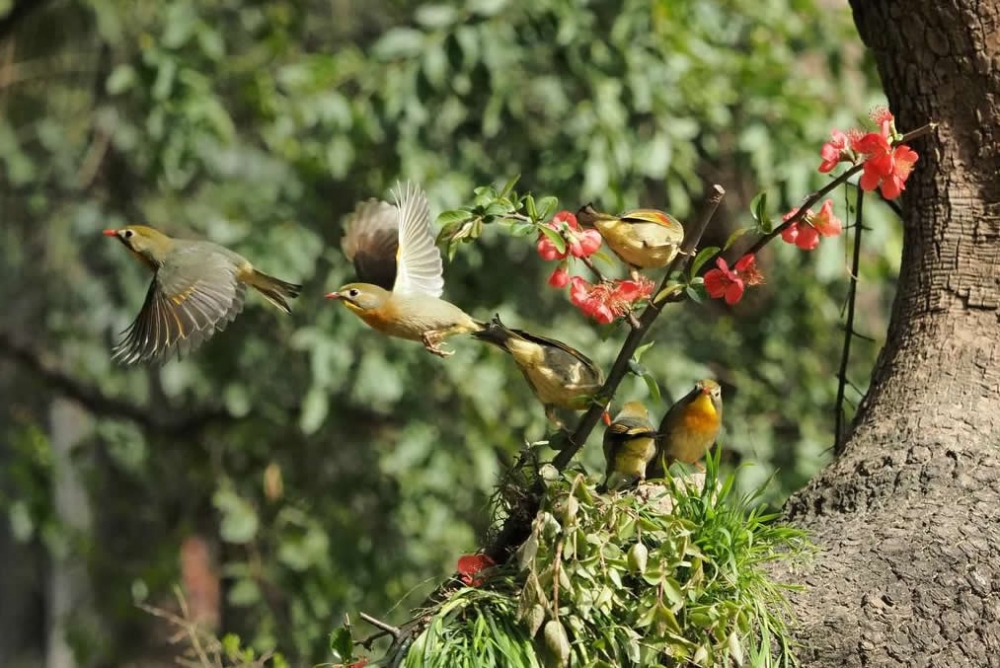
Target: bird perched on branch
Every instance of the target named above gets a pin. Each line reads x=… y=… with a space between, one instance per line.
x=400 y=271
x=643 y=238
x=198 y=288
x=560 y=376
x=689 y=428
x=629 y=446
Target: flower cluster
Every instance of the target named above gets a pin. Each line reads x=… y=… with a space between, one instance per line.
x=469 y=567
x=579 y=243
x=725 y=283
x=885 y=166
x=805 y=233
x=608 y=300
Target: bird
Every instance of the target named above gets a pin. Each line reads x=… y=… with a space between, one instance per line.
x=689 y=428
x=198 y=288
x=558 y=375
x=642 y=238
x=400 y=270
x=629 y=446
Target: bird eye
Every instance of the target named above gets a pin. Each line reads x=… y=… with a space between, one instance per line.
x=353 y=292
x=128 y=234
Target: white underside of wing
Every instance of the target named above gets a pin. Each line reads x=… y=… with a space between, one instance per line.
x=418 y=261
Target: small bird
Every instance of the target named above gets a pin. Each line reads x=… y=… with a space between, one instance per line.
x=400 y=269
x=643 y=238
x=629 y=446
x=689 y=428
x=560 y=376
x=198 y=288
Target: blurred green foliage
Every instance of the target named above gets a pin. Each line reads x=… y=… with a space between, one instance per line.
x=259 y=125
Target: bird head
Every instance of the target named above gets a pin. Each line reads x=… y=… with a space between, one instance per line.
x=360 y=297
x=149 y=244
x=710 y=390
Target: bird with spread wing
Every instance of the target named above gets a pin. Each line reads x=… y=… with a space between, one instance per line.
x=400 y=271
x=198 y=288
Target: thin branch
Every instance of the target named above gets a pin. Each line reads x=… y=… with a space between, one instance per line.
x=384 y=627
x=852 y=291
x=45 y=366
x=20 y=11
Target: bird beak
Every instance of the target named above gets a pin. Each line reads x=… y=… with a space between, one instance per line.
x=111 y=233
x=333 y=295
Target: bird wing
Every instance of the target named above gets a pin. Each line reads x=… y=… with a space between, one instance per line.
x=664 y=220
x=192 y=295
x=419 y=267
x=545 y=341
x=371 y=239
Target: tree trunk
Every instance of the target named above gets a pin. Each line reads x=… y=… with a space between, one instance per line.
x=908 y=516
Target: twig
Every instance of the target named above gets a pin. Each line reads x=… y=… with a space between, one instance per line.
x=848 y=329
x=384 y=627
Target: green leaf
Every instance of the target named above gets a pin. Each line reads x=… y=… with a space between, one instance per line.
x=315 y=406
x=547 y=207
x=399 y=43
x=555 y=237
x=342 y=644
x=694 y=294
x=509 y=186
x=701 y=258
x=637 y=356
x=734 y=236
x=653 y=386
x=121 y=79
x=435 y=16
x=453 y=217
x=529 y=206
x=668 y=291
x=244 y=593
x=758 y=206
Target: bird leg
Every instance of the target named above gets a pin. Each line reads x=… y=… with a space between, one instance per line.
x=431 y=340
x=699 y=466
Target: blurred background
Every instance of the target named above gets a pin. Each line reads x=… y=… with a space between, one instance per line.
x=298 y=468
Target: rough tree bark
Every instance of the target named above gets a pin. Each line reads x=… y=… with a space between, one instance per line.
x=908 y=516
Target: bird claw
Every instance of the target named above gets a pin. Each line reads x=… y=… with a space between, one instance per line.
x=431 y=345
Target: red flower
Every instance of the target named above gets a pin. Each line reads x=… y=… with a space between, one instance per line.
x=579 y=243
x=825 y=222
x=470 y=565
x=728 y=284
x=608 y=300
x=360 y=663
x=559 y=277
x=894 y=183
x=805 y=232
x=883 y=118
x=834 y=151
x=585 y=243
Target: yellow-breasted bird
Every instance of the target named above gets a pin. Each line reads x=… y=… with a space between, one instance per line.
x=400 y=272
x=560 y=376
x=198 y=288
x=689 y=428
x=643 y=238
x=629 y=446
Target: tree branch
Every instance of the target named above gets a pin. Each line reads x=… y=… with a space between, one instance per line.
x=20 y=11
x=43 y=365
x=848 y=327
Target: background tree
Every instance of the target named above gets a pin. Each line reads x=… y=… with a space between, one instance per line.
x=907 y=514
x=295 y=449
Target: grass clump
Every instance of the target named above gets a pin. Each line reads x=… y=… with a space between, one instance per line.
x=671 y=574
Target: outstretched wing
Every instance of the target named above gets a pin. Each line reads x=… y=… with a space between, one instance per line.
x=371 y=238
x=418 y=261
x=192 y=296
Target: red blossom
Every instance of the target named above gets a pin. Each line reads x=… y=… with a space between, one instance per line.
x=579 y=243
x=805 y=232
x=360 y=663
x=835 y=151
x=825 y=222
x=883 y=118
x=729 y=284
x=608 y=300
x=559 y=277
x=470 y=565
